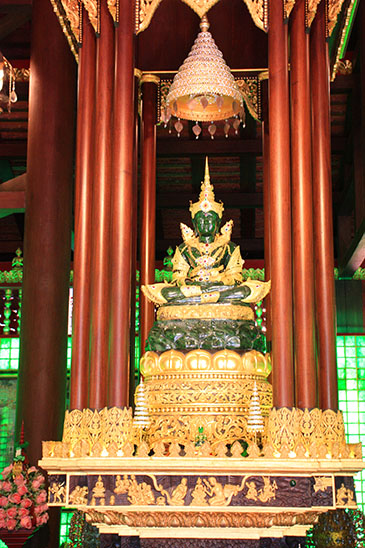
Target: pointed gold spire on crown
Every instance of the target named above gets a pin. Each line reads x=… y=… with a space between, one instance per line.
x=206 y=198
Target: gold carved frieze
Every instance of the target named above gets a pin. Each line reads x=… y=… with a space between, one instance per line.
x=333 y=10
x=288 y=6
x=202 y=519
x=92 y=8
x=68 y=14
x=258 y=12
x=145 y=10
x=311 y=10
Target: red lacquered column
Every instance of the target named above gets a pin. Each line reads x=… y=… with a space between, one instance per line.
x=148 y=200
x=322 y=209
x=280 y=209
x=303 y=267
x=122 y=206
x=100 y=251
x=47 y=244
x=83 y=200
x=266 y=201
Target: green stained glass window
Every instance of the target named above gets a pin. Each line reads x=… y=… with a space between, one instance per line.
x=351 y=394
x=65 y=521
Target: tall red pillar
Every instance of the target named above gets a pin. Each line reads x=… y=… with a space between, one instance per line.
x=280 y=209
x=122 y=206
x=322 y=208
x=83 y=211
x=302 y=218
x=99 y=326
x=148 y=200
x=47 y=243
x=266 y=203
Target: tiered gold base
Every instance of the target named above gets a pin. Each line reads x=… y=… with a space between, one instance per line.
x=223 y=396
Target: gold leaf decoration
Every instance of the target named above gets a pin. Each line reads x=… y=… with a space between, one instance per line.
x=334 y=9
x=91 y=7
x=311 y=10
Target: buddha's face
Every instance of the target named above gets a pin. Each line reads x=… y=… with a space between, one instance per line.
x=206 y=224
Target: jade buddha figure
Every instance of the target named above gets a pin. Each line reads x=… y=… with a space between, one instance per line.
x=207 y=303
x=207 y=266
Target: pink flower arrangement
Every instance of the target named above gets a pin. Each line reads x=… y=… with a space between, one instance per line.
x=23 y=498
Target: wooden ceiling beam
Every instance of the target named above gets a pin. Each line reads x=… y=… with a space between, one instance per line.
x=228 y=147
x=14 y=20
x=181 y=200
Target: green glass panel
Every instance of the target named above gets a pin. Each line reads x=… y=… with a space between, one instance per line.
x=351 y=385
x=342 y=384
x=340 y=341
x=361 y=351
x=340 y=352
x=342 y=395
x=351 y=373
x=4 y=364
x=360 y=340
x=350 y=351
x=350 y=340
x=5 y=343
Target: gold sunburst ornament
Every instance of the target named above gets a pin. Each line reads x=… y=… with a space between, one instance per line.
x=204 y=89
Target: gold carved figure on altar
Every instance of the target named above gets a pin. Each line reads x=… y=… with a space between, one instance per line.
x=58 y=490
x=121 y=485
x=79 y=495
x=207 y=266
x=98 y=492
x=199 y=494
x=251 y=491
x=269 y=490
x=179 y=494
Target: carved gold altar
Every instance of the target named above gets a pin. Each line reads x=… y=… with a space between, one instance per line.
x=205 y=455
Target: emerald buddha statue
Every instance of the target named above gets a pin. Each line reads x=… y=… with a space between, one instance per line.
x=207 y=305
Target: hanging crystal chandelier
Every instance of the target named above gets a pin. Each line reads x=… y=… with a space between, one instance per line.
x=204 y=89
x=7 y=85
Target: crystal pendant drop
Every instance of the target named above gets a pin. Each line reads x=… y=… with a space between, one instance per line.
x=179 y=127
x=212 y=129
x=13 y=96
x=219 y=101
x=204 y=102
x=226 y=128
x=197 y=130
x=236 y=125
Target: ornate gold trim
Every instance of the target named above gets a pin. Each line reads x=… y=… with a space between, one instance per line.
x=311 y=10
x=205 y=312
x=145 y=11
x=92 y=9
x=203 y=519
x=342 y=39
x=69 y=21
x=288 y=6
x=258 y=12
x=199 y=361
x=334 y=9
x=138 y=73
x=113 y=6
x=152 y=78
x=201 y=7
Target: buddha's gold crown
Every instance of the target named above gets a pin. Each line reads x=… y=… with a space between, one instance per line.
x=206 y=198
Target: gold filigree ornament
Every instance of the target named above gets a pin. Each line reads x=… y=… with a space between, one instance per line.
x=288 y=6
x=311 y=10
x=334 y=8
x=205 y=312
x=68 y=15
x=92 y=9
x=93 y=431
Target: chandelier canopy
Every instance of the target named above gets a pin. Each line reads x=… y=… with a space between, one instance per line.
x=204 y=89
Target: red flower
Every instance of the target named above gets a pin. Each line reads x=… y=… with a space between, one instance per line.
x=3 y=501
x=26 y=503
x=22 y=490
x=26 y=522
x=15 y=498
x=6 y=486
x=42 y=497
x=10 y=524
x=11 y=513
x=22 y=512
